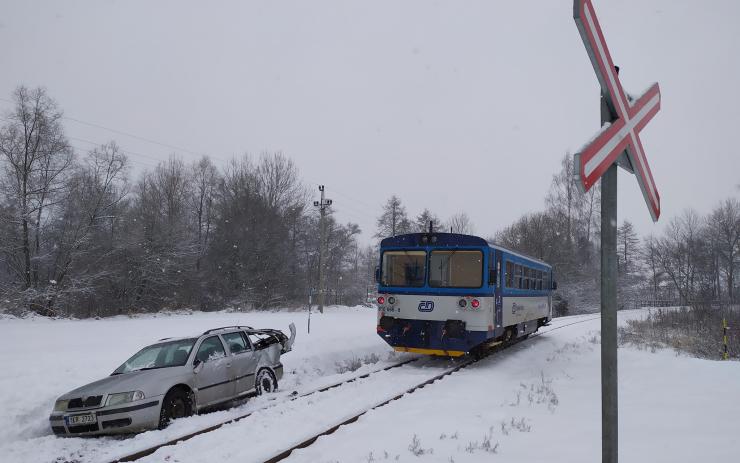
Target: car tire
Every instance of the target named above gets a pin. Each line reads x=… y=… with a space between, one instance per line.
x=265 y=382
x=178 y=403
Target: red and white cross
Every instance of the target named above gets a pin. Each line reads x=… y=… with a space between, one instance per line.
x=622 y=135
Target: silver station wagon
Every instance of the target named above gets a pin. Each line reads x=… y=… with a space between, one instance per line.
x=175 y=378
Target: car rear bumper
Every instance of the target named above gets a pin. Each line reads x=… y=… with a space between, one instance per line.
x=134 y=417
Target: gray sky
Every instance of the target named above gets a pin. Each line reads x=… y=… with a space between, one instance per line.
x=450 y=105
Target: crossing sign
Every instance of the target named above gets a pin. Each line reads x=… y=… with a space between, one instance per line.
x=630 y=116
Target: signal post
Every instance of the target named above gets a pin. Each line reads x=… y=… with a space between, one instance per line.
x=617 y=144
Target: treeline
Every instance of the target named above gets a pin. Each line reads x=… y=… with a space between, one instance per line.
x=696 y=258
x=80 y=236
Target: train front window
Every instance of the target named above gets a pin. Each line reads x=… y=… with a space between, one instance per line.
x=403 y=268
x=456 y=269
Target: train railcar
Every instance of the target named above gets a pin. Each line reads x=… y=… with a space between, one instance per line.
x=449 y=294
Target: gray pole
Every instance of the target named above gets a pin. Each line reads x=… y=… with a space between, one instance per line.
x=310 y=302
x=322 y=245
x=609 y=409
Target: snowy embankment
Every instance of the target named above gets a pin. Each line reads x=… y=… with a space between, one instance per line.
x=42 y=359
x=537 y=401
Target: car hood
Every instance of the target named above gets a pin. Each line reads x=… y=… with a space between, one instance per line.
x=150 y=382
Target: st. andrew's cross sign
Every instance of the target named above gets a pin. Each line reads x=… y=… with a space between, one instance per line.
x=618 y=143
x=622 y=135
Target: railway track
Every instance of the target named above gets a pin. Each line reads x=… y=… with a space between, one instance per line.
x=471 y=360
x=149 y=450
x=307 y=442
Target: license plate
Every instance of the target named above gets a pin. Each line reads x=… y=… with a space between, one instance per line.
x=76 y=420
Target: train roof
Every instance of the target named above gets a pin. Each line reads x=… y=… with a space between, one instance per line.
x=451 y=240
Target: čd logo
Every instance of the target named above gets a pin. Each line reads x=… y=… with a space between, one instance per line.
x=426 y=306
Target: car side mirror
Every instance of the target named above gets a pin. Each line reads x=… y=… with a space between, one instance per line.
x=377 y=274
x=197 y=366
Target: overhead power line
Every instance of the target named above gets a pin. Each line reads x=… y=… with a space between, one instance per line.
x=121 y=132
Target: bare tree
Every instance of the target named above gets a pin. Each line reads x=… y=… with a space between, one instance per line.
x=204 y=177
x=461 y=223
x=724 y=227
x=677 y=251
x=96 y=188
x=278 y=181
x=563 y=195
x=35 y=155
x=649 y=255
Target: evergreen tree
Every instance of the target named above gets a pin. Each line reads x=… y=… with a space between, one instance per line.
x=421 y=222
x=393 y=221
x=627 y=248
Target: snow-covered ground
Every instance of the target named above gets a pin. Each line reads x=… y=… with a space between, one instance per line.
x=537 y=401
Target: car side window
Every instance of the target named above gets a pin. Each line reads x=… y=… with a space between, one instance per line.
x=236 y=342
x=210 y=349
x=260 y=340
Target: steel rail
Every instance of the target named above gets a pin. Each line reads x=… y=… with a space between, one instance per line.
x=149 y=450
x=471 y=360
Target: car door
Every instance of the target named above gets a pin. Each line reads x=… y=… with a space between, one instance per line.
x=243 y=361
x=214 y=376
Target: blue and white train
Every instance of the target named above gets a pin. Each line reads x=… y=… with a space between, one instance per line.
x=449 y=294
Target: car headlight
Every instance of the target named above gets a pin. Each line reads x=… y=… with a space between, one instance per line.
x=124 y=397
x=61 y=405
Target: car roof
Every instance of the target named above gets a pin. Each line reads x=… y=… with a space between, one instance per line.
x=221 y=330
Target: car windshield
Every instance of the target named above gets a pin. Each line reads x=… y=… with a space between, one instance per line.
x=161 y=355
x=403 y=268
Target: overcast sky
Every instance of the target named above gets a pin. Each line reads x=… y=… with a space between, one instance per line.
x=455 y=106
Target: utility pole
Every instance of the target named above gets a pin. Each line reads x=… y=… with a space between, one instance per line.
x=322 y=205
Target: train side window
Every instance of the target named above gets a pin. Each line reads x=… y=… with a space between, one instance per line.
x=519 y=280
x=524 y=277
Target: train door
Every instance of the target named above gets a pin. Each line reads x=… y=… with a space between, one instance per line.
x=498 y=304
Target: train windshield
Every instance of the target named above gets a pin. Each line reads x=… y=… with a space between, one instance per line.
x=403 y=268
x=456 y=269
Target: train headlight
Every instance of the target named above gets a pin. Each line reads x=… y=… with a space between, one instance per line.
x=474 y=303
x=391 y=300
x=381 y=300
x=462 y=303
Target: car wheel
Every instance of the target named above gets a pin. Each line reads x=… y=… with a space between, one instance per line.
x=178 y=403
x=265 y=382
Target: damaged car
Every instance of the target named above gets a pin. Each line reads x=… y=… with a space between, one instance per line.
x=174 y=378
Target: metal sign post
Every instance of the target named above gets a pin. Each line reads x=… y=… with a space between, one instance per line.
x=618 y=143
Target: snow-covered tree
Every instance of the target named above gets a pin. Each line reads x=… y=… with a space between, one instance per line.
x=393 y=221
x=421 y=222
